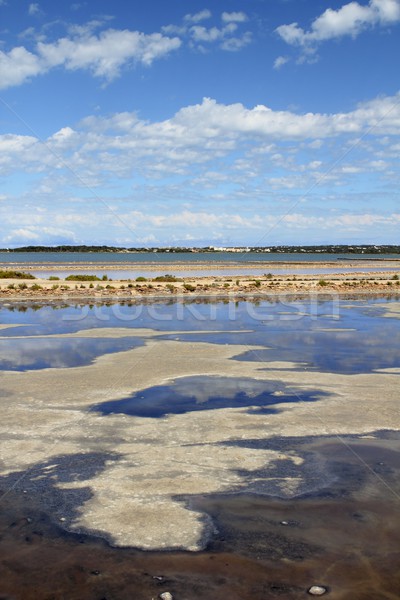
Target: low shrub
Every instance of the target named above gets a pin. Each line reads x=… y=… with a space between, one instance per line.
x=141 y=279
x=82 y=278
x=167 y=277
x=54 y=278
x=189 y=287
x=322 y=282
x=15 y=275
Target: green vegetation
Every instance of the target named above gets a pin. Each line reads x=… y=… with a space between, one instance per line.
x=322 y=282
x=54 y=278
x=35 y=287
x=170 y=278
x=189 y=287
x=140 y=279
x=15 y=275
x=82 y=278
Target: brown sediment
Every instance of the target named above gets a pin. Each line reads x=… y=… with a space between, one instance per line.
x=346 y=538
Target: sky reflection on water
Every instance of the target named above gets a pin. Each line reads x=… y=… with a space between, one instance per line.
x=346 y=337
x=198 y=393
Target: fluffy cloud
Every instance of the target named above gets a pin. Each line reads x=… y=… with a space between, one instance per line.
x=163 y=175
x=104 y=54
x=225 y=35
x=34 y=9
x=351 y=19
x=17 y=66
x=197 y=17
x=234 y=17
x=280 y=61
x=126 y=146
x=190 y=225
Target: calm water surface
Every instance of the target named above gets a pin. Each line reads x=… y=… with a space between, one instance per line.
x=346 y=536
x=328 y=336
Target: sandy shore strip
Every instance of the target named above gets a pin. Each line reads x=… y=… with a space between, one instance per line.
x=373 y=282
x=156 y=266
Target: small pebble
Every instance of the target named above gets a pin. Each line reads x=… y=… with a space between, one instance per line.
x=284 y=522
x=166 y=596
x=317 y=590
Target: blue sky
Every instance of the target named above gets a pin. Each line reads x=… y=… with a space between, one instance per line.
x=171 y=122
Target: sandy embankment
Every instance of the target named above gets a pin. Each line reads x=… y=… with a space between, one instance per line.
x=341 y=282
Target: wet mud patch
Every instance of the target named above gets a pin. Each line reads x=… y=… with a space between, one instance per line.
x=345 y=538
x=198 y=393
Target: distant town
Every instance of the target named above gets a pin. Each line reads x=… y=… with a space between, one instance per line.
x=324 y=249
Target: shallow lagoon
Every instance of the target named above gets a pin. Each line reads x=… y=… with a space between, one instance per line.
x=325 y=335
x=336 y=524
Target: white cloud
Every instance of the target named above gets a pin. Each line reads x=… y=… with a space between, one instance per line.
x=234 y=44
x=201 y=37
x=17 y=66
x=123 y=145
x=34 y=9
x=280 y=61
x=225 y=36
x=197 y=17
x=203 y=34
x=234 y=17
x=226 y=153
x=104 y=54
x=351 y=19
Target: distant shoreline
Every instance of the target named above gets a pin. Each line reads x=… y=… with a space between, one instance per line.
x=356 y=249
